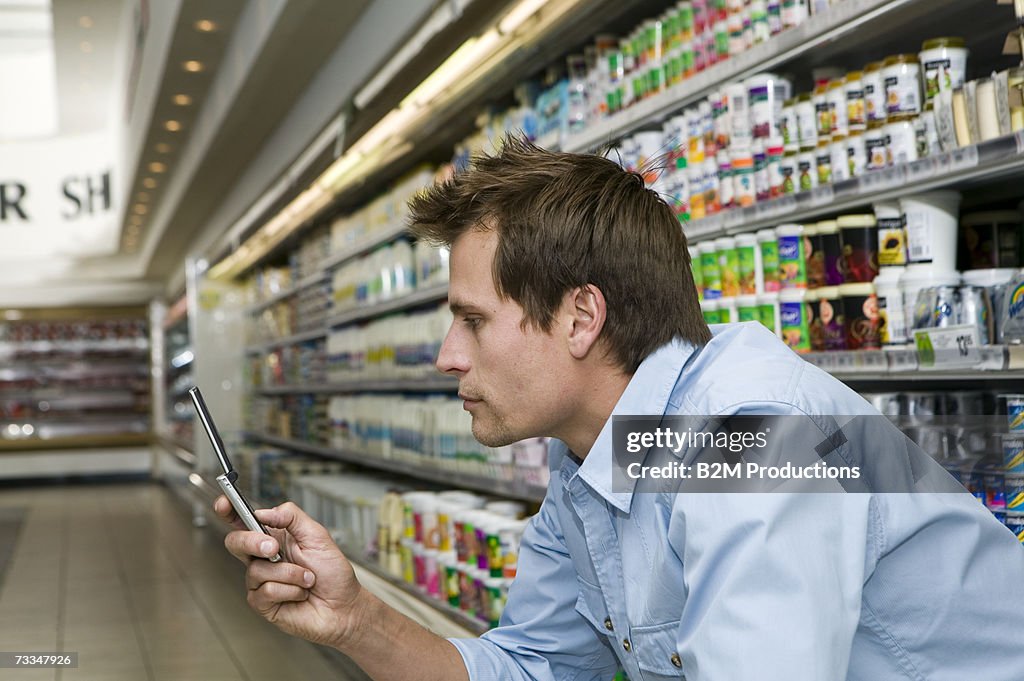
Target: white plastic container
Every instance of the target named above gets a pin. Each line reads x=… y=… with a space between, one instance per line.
x=738 y=106
x=876 y=147
x=902 y=77
x=944 y=63
x=902 y=141
x=892 y=237
x=751 y=268
x=985 y=103
x=840 y=165
x=769 y=304
x=856 y=154
x=917 y=277
x=890 y=306
x=766 y=93
x=931 y=224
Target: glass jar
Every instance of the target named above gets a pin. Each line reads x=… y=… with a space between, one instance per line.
x=902 y=77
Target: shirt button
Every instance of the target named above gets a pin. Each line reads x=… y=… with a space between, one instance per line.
x=626 y=645
x=608 y=623
x=676 y=662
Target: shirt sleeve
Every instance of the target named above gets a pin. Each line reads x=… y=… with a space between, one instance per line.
x=775 y=579
x=542 y=636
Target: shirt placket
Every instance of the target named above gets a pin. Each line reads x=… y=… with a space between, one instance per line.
x=603 y=547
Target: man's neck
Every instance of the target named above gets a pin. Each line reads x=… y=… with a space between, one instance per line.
x=601 y=396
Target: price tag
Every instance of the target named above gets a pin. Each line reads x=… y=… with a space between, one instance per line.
x=902 y=360
x=954 y=347
x=803 y=200
x=821 y=196
x=963 y=159
x=732 y=218
x=845 y=362
x=873 y=360
x=918 y=171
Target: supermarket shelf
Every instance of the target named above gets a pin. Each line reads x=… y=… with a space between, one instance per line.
x=301 y=285
x=389 y=233
x=408 y=385
x=840 y=20
x=426 y=295
x=76 y=442
x=503 y=488
x=901 y=366
x=552 y=141
x=990 y=160
x=74 y=346
x=454 y=614
x=287 y=340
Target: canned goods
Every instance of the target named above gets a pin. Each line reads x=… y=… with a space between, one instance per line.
x=822 y=110
x=1013 y=453
x=944 y=306
x=976 y=309
x=1015 y=412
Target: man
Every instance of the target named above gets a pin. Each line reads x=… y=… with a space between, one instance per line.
x=573 y=303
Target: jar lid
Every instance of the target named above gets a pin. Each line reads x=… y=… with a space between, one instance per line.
x=811 y=229
x=894 y=59
x=824 y=143
x=900 y=118
x=828 y=227
x=875 y=125
x=873 y=66
x=767 y=234
x=836 y=84
x=746 y=301
x=725 y=242
x=820 y=87
x=746 y=239
x=860 y=289
x=854 y=221
x=707 y=305
x=792 y=295
x=853 y=76
x=946 y=41
x=813 y=295
x=803 y=97
x=789 y=230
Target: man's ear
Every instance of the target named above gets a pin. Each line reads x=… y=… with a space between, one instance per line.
x=588 y=310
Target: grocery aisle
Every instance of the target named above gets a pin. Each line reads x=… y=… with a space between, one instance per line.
x=116 y=573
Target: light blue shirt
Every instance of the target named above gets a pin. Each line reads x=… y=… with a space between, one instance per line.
x=745 y=587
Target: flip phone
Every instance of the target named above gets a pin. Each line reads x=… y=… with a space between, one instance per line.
x=227 y=479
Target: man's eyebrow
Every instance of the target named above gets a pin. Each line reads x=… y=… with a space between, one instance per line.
x=459 y=307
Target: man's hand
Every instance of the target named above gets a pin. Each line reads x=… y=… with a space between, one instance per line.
x=313 y=592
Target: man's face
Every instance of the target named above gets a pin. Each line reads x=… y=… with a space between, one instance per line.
x=512 y=378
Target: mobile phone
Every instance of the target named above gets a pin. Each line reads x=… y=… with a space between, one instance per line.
x=227 y=479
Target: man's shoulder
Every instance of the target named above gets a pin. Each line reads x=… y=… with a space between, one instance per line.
x=747 y=364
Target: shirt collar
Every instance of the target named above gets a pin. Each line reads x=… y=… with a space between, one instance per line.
x=647 y=394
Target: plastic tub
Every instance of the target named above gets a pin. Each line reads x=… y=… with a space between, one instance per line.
x=874 y=92
x=893 y=318
x=751 y=273
x=931 y=223
x=902 y=77
x=769 y=246
x=794 y=321
x=892 y=239
x=944 y=63
x=853 y=89
x=768 y=307
x=792 y=258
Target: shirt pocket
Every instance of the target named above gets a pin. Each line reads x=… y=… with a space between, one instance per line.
x=590 y=604
x=656 y=652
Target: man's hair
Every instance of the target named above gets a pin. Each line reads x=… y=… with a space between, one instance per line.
x=567 y=220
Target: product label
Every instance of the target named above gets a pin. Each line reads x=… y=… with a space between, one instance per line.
x=901 y=95
x=748 y=270
x=770 y=265
x=711 y=275
x=760 y=111
x=792 y=265
x=807 y=175
x=787 y=127
x=919 y=239
x=856 y=113
x=874 y=97
x=823 y=116
x=892 y=248
x=807 y=124
x=787 y=169
x=951 y=347
x=795 y=328
x=837 y=108
x=893 y=327
x=824 y=163
x=937 y=77
x=856 y=157
x=877 y=151
x=729 y=266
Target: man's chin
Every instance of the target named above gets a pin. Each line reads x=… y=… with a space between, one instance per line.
x=490 y=438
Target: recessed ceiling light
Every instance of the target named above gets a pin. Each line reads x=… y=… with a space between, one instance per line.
x=157 y=167
x=133 y=230
x=149 y=183
x=205 y=25
x=140 y=209
x=142 y=197
x=192 y=66
x=182 y=100
x=135 y=221
x=85 y=46
x=163 y=148
x=172 y=126
x=85 y=21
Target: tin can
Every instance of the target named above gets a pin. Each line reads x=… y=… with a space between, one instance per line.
x=1013 y=454
x=976 y=309
x=945 y=307
x=1015 y=413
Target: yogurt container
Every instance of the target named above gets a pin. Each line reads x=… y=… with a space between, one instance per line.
x=792 y=258
x=856 y=110
x=768 y=245
x=751 y=273
x=874 y=92
x=794 y=320
x=902 y=77
x=944 y=63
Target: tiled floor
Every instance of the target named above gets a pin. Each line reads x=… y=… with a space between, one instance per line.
x=118 y=574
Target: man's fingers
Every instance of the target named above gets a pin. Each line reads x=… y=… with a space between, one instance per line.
x=261 y=572
x=288 y=516
x=272 y=594
x=223 y=508
x=245 y=545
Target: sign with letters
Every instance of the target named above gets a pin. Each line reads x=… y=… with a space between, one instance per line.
x=59 y=196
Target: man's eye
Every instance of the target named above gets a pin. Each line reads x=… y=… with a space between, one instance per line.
x=472 y=322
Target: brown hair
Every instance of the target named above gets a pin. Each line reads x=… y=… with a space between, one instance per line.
x=566 y=220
